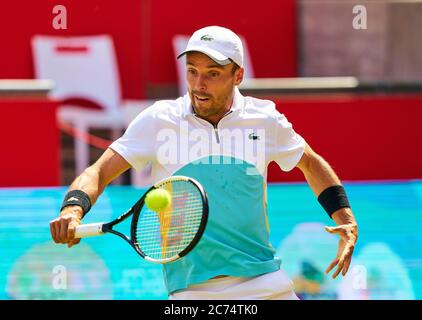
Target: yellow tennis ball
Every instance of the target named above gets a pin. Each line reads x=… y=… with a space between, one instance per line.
x=158 y=199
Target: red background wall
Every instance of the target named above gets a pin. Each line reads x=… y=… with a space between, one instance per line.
x=30 y=143
x=362 y=137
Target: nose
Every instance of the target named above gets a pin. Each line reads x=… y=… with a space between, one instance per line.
x=200 y=84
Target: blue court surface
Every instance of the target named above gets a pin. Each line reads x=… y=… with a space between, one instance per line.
x=387 y=261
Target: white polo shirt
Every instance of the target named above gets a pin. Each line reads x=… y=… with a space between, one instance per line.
x=230 y=160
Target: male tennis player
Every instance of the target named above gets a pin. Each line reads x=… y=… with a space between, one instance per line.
x=198 y=136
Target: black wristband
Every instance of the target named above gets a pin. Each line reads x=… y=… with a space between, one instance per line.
x=78 y=198
x=333 y=198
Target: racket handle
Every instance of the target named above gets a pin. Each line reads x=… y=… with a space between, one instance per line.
x=89 y=230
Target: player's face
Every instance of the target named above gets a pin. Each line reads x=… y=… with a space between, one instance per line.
x=210 y=85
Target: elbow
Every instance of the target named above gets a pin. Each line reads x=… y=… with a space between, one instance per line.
x=307 y=161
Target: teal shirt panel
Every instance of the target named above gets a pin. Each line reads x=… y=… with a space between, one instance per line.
x=236 y=239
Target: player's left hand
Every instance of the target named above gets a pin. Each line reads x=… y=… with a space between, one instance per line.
x=348 y=236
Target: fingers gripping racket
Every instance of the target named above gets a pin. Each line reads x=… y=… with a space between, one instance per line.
x=164 y=235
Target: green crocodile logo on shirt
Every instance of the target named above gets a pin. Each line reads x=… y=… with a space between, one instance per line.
x=253 y=136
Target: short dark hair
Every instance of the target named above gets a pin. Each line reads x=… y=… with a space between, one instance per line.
x=235 y=67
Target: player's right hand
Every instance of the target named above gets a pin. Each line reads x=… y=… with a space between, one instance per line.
x=63 y=228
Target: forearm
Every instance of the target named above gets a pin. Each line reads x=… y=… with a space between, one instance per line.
x=90 y=183
x=95 y=178
x=320 y=176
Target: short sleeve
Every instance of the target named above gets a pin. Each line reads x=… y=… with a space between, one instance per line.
x=136 y=145
x=288 y=145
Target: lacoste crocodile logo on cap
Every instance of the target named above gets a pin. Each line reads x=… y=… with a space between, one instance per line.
x=207 y=38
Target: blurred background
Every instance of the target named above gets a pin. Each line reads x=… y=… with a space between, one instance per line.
x=347 y=74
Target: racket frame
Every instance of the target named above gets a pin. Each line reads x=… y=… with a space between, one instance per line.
x=198 y=235
x=135 y=211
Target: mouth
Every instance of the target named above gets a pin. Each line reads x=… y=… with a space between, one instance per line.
x=201 y=98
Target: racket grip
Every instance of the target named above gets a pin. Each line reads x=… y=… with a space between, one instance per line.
x=89 y=230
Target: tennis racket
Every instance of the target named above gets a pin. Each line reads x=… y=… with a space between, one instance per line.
x=166 y=235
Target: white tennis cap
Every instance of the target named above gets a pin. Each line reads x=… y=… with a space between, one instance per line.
x=220 y=44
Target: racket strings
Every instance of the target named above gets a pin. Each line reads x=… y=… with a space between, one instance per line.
x=190 y=223
x=178 y=214
x=164 y=234
x=173 y=218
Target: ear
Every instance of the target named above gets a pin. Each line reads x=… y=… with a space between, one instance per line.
x=239 y=76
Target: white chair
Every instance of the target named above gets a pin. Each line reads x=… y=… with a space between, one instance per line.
x=83 y=67
x=180 y=43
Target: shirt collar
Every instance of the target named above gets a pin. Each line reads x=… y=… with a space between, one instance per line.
x=237 y=106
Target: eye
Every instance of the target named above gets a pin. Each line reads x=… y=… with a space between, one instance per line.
x=214 y=74
x=191 y=71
